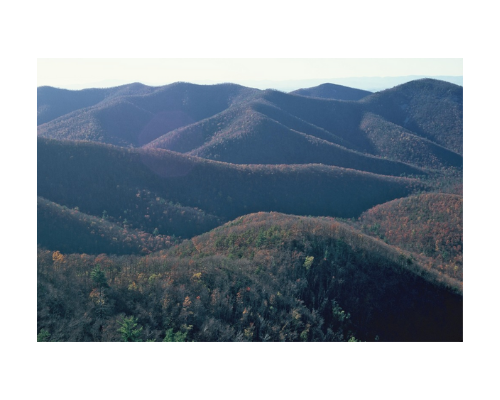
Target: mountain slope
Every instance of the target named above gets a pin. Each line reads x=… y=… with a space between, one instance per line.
x=333 y=92
x=136 y=119
x=262 y=277
x=92 y=176
x=340 y=118
x=261 y=140
x=428 y=224
x=418 y=123
x=53 y=102
x=397 y=143
x=186 y=159
x=327 y=260
x=430 y=108
x=388 y=122
x=70 y=231
x=249 y=137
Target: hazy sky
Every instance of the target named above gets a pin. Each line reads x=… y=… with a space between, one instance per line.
x=80 y=73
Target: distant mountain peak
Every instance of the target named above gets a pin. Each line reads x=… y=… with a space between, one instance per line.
x=333 y=92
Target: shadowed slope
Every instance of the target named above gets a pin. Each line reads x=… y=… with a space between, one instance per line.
x=72 y=173
x=261 y=140
x=397 y=143
x=243 y=135
x=71 y=231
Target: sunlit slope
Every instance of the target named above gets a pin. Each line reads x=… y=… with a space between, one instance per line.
x=428 y=224
x=134 y=119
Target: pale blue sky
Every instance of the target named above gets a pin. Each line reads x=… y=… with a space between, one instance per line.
x=81 y=73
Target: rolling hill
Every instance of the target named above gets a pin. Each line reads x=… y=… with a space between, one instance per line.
x=70 y=231
x=98 y=177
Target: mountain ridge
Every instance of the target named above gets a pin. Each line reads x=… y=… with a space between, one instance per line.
x=224 y=213
x=231 y=189
x=195 y=115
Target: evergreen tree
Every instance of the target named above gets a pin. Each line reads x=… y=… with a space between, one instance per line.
x=43 y=336
x=170 y=336
x=99 y=278
x=129 y=331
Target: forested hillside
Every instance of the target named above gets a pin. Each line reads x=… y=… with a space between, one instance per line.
x=98 y=177
x=264 y=277
x=240 y=125
x=136 y=117
x=224 y=213
x=429 y=224
x=431 y=109
x=71 y=231
x=53 y=103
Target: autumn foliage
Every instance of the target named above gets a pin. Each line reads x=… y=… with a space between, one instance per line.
x=263 y=277
x=430 y=225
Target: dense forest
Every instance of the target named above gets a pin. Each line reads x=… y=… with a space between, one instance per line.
x=224 y=213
